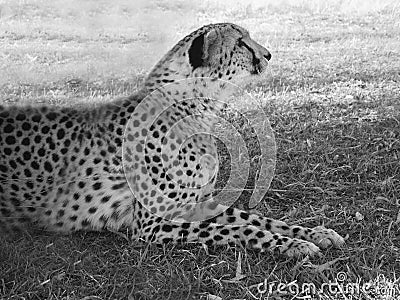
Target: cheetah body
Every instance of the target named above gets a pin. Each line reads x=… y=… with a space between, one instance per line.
x=123 y=165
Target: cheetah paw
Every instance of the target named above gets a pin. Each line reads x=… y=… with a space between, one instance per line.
x=299 y=248
x=324 y=237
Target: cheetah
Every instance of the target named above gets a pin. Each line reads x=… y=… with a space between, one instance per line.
x=125 y=166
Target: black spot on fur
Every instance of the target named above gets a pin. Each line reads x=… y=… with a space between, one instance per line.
x=35 y=165
x=48 y=167
x=260 y=234
x=13 y=164
x=69 y=124
x=20 y=117
x=231 y=219
x=118 y=186
x=60 y=134
x=284 y=227
x=97 y=186
x=244 y=215
x=89 y=171
x=36 y=118
x=203 y=225
x=5 y=212
x=41 y=152
x=25 y=142
x=218 y=238
x=209 y=242
x=225 y=231
x=45 y=129
x=296 y=231
x=10 y=140
x=204 y=234
x=247 y=232
x=172 y=195
x=51 y=116
x=55 y=157
x=252 y=242
x=37 y=139
x=26 y=126
x=105 y=199
x=116 y=204
x=8 y=128
x=185 y=225
x=166 y=228
x=183 y=233
x=92 y=210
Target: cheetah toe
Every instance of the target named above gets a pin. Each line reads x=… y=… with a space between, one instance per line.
x=324 y=237
x=300 y=248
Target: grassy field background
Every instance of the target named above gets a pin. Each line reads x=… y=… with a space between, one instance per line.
x=332 y=94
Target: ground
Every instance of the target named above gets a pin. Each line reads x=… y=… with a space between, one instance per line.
x=332 y=97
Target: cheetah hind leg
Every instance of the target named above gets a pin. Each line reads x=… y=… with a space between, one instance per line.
x=165 y=231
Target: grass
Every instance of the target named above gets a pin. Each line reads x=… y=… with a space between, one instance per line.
x=332 y=97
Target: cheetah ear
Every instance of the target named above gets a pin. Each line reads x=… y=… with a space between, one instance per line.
x=200 y=49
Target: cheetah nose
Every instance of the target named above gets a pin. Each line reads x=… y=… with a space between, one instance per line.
x=268 y=56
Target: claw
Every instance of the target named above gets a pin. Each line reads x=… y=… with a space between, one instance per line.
x=324 y=237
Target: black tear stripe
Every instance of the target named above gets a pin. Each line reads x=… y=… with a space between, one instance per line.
x=196 y=52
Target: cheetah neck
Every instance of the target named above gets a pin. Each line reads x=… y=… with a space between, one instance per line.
x=171 y=68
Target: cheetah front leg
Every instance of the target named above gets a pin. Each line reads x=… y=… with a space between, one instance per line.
x=220 y=214
x=319 y=235
x=159 y=230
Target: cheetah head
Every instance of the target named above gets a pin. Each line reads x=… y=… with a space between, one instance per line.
x=223 y=51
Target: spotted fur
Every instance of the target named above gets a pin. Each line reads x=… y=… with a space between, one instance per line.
x=123 y=165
